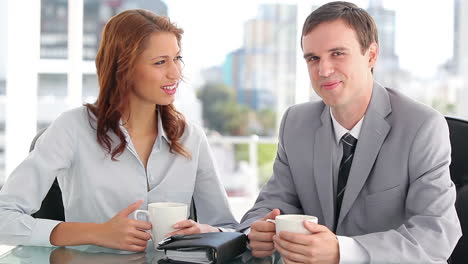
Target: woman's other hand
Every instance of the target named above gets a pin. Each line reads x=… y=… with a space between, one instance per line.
x=188 y=227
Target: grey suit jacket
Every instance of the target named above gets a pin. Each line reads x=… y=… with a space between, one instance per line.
x=399 y=200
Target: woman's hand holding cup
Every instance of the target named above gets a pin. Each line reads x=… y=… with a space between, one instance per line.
x=124 y=233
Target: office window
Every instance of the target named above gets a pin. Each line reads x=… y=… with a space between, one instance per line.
x=54 y=29
x=90 y=88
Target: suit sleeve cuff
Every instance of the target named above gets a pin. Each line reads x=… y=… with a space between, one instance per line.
x=41 y=232
x=351 y=251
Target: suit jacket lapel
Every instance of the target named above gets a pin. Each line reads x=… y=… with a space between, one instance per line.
x=322 y=165
x=373 y=133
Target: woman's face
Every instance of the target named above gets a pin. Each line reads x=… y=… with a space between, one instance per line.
x=157 y=71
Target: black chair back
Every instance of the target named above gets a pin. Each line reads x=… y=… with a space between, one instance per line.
x=459 y=173
x=52 y=205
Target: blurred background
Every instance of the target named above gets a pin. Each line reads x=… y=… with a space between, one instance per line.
x=243 y=68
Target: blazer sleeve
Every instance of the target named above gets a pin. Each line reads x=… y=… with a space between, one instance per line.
x=431 y=229
x=209 y=195
x=279 y=191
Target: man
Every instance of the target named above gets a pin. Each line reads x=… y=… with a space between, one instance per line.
x=370 y=163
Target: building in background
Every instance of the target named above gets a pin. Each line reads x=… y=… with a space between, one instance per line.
x=263 y=70
x=54 y=23
x=387 y=71
x=212 y=74
x=3 y=73
x=460 y=38
x=459 y=63
x=452 y=76
x=233 y=73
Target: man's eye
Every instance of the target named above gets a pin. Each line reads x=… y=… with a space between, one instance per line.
x=337 y=53
x=161 y=62
x=312 y=58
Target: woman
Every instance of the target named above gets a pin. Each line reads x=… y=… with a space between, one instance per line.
x=130 y=148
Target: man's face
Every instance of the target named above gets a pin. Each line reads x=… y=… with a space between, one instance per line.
x=339 y=72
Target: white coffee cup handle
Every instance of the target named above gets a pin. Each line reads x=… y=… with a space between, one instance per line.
x=135 y=215
x=145 y=212
x=271 y=221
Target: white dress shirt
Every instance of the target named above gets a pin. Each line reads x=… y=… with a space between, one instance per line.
x=95 y=188
x=350 y=250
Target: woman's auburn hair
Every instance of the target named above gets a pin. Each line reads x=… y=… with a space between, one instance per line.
x=123 y=39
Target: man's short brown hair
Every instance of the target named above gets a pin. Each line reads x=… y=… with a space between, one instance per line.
x=357 y=18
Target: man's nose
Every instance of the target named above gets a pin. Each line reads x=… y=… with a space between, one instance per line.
x=325 y=68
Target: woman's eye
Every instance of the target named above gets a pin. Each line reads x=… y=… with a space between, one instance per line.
x=178 y=58
x=161 y=62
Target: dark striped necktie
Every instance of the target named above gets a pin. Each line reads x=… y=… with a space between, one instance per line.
x=349 y=145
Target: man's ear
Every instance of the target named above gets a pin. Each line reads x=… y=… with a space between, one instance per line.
x=373 y=54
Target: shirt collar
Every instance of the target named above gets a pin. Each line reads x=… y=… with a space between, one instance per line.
x=340 y=130
x=161 y=132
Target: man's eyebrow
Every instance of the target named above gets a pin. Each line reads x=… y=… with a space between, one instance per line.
x=311 y=54
x=337 y=49
x=308 y=55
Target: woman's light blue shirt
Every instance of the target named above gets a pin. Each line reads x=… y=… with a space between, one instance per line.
x=95 y=188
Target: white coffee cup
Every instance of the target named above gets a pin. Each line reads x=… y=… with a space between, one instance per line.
x=292 y=223
x=162 y=217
